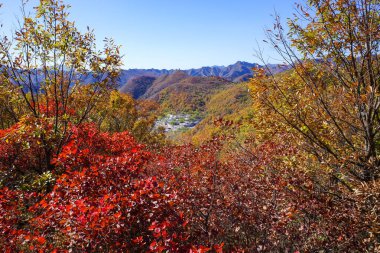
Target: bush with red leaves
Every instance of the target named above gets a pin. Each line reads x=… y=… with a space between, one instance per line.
x=102 y=200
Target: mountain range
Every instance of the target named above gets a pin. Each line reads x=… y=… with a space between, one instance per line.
x=146 y=83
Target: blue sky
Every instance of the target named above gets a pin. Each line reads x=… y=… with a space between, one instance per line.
x=175 y=34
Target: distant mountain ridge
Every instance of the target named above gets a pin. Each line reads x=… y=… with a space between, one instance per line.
x=138 y=81
x=237 y=72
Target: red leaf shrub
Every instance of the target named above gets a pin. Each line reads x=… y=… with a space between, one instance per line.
x=25 y=150
x=254 y=202
x=111 y=194
x=102 y=201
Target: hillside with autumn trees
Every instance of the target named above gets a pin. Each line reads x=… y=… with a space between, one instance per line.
x=287 y=161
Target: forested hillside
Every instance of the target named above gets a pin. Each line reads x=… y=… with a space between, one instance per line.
x=284 y=158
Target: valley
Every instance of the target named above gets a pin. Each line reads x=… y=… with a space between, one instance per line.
x=190 y=101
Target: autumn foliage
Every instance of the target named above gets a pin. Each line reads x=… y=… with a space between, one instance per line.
x=84 y=170
x=102 y=200
x=110 y=194
x=253 y=201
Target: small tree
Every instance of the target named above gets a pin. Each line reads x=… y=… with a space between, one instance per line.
x=50 y=62
x=332 y=95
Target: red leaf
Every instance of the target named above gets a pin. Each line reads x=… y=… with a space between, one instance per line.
x=41 y=240
x=138 y=240
x=153 y=245
x=219 y=247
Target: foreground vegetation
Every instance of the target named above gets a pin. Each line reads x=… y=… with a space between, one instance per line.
x=290 y=166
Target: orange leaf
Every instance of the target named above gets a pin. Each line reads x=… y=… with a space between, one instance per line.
x=219 y=248
x=117 y=215
x=41 y=240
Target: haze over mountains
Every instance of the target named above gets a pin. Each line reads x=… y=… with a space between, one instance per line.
x=147 y=83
